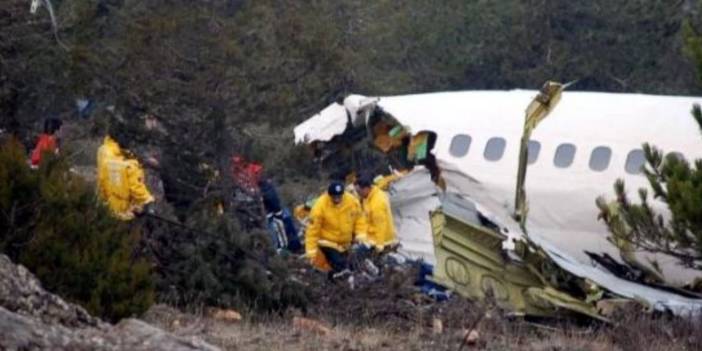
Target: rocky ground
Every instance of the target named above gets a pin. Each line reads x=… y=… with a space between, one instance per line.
x=34 y=319
x=390 y=314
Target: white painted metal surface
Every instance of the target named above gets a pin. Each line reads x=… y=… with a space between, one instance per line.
x=561 y=200
x=562 y=212
x=323 y=126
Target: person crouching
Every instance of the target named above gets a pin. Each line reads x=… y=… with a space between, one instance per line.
x=335 y=220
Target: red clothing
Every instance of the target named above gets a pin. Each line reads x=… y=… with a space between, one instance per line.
x=246 y=174
x=45 y=143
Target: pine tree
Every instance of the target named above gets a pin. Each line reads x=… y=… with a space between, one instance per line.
x=678 y=184
x=51 y=222
x=674 y=181
x=210 y=261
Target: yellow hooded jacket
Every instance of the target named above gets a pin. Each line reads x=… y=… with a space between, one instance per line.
x=120 y=181
x=381 y=228
x=333 y=225
x=384 y=182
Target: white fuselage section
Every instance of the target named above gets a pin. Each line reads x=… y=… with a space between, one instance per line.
x=588 y=141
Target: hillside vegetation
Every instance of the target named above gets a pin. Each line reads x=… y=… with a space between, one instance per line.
x=275 y=62
x=234 y=76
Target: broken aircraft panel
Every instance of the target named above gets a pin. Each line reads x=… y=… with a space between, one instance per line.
x=475 y=149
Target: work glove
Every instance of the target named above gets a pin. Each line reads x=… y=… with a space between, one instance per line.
x=310 y=255
x=148 y=209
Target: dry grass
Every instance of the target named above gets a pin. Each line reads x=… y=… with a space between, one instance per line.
x=392 y=315
x=278 y=333
x=638 y=332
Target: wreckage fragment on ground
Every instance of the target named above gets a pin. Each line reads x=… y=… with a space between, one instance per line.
x=466 y=225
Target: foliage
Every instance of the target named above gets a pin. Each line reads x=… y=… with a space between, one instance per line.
x=52 y=224
x=210 y=261
x=279 y=61
x=243 y=72
x=675 y=182
x=678 y=184
x=693 y=45
x=234 y=76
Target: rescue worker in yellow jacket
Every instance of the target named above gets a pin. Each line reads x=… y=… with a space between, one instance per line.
x=376 y=207
x=121 y=181
x=336 y=218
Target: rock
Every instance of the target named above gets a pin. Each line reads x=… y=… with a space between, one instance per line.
x=471 y=337
x=22 y=293
x=34 y=319
x=612 y=307
x=18 y=332
x=437 y=326
x=311 y=325
x=163 y=315
x=225 y=315
x=134 y=334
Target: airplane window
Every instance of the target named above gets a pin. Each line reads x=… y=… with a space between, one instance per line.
x=533 y=148
x=494 y=149
x=565 y=153
x=460 y=145
x=599 y=158
x=635 y=161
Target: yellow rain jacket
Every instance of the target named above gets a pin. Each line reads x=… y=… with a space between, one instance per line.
x=384 y=182
x=120 y=181
x=333 y=225
x=381 y=229
x=302 y=214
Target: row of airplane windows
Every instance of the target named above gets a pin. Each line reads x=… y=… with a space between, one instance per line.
x=565 y=153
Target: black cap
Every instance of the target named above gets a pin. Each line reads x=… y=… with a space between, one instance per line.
x=336 y=189
x=364 y=181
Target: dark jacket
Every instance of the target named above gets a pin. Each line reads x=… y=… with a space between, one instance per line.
x=271 y=201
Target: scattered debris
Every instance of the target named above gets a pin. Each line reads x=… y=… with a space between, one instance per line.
x=613 y=307
x=84 y=107
x=437 y=326
x=311 y=325
x=225 y=315
x=471 y=337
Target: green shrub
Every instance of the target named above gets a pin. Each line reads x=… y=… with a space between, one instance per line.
x=51 y=222
x=678 y=184
x=218 y=264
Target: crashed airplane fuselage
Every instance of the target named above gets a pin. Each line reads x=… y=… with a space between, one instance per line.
x=575 y=155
